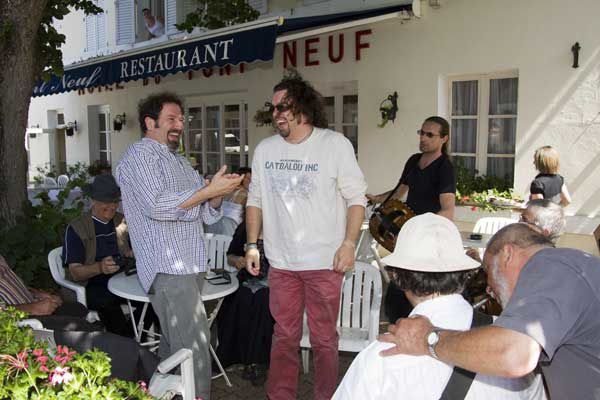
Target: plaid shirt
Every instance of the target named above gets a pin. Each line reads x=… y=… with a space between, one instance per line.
x=165 y=238
x=12 y=289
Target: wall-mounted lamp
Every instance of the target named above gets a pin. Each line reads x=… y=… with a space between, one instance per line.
x=388 y=109
x=119 y=121
x=71 y=128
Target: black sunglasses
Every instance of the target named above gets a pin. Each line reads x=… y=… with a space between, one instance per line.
x=421 y=132
x=281 y=107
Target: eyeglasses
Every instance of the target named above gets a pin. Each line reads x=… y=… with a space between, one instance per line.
x=421 y=132
x=281 y=107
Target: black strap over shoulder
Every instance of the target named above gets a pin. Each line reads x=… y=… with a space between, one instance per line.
x=461 y=379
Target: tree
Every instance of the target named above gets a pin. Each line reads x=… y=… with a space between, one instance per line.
x=30 y=49
x=214 y=14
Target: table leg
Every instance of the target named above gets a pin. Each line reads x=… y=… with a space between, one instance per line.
x=211 y=319
x=137 y=334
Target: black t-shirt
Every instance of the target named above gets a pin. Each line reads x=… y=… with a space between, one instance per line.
x=548 y=185
x=106 y=245
x=426 y=185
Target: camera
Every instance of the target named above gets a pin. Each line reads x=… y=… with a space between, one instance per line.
x=119 y=260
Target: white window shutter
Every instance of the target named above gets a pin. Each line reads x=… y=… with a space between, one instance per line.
x=125 y=21
x=102 y=43
x=91 y=41
x=258 y=5
x=170 y=16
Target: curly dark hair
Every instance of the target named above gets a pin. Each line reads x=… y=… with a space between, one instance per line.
x=152 y=105
x=428 y=283
x=303 y=98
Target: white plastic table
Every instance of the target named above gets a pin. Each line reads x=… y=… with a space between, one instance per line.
x=129 y=288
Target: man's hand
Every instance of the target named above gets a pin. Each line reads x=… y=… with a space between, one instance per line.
x=240 y=263
x=409 y=336
x=42 y=295
x=222 y=184
x=373 y=198
x=344 y=257
x=108 y=266
x=43 y=307
x=253 y=261
x=473 y=253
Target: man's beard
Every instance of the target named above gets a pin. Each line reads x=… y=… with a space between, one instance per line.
x=283 y=134
x=173 y=144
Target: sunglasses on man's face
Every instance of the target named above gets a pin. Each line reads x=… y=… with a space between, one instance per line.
x=421 y=132
x=281 y=107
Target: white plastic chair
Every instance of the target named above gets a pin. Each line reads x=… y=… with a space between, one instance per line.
x=49 y=182
x=163 y=383
x=216 y=251
x=491 y=225
x=358 y=320
x=62 y=180
x=58 y=274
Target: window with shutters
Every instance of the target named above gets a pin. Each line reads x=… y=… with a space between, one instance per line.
x=483 y=119
x=341 y=108
x=95 y=32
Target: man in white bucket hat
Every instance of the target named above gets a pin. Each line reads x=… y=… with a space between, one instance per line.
x=430 y=265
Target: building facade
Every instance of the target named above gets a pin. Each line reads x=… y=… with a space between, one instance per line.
x=501 y=71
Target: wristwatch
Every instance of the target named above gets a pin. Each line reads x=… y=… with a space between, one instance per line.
x=433 y=337
x=249 y=246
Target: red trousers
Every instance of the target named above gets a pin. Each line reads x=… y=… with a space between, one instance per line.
x=290 y=293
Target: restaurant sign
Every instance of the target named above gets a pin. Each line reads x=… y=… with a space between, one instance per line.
x=231 y=49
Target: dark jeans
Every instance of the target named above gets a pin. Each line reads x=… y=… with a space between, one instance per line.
x=67 y=317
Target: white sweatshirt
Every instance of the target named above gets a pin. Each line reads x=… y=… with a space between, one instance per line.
x=304 y=191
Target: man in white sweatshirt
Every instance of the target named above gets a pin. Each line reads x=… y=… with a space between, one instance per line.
x=308 y=195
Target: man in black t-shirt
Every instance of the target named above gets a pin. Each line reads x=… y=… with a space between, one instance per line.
x=429 y=184
x=428 y=177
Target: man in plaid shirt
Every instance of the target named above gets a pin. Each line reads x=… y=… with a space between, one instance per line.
x=165 y=203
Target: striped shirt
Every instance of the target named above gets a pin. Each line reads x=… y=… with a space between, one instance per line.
x=12 y=289
x=165 y=238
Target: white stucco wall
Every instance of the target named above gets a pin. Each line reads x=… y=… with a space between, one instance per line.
x=557 y=105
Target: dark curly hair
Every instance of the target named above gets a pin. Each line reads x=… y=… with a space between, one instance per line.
x=152 y=105
x=428 y=283
x=303 y=98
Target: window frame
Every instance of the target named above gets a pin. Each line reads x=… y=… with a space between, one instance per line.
x=483 y=117
x=338 y=125
x=243 y=128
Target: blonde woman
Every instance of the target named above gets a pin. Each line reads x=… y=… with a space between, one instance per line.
x=548 y=184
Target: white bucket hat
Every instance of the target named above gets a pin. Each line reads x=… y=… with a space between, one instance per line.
x=430 y=243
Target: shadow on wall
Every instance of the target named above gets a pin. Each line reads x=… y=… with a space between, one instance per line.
x=572 y=114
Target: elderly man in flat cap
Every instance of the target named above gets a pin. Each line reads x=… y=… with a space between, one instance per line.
x=430 y=266
x=92 y=243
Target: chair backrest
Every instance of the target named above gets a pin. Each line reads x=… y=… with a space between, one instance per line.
x=62 y=180
x=216 y=251
x=56 y=265
x=361 y=299
x=491 y=225
x=49 y=182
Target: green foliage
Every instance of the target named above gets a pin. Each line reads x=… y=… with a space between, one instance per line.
x=33 y=370
x=488 y=193
x=41 y=228
x=214 y=14
x=49 y=40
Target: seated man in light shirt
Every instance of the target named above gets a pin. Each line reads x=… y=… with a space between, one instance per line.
x=429 y=264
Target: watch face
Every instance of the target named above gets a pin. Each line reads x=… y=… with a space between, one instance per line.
x=432 y=338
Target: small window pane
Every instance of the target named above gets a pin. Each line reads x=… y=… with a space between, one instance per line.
x=101 y=122
x=501 y=135
x=213 y=163
x=232 y=116
x=351 y=132
x=103 y=141
x=212 y=131
x=233 y=162
x=466 y=162
x=350 y=110
x=195 y=141
x=103 y=156
x=464 y=98
x=503 y=96
x=60 y=118
x=501 y=167
x=464 y=135
x=195 y=118
x=329 y=110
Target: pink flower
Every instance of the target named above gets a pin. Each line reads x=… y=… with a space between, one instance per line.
x=38 y=352
x=60 y=375
x=19 y=362
x=143 y=386
x=42 y=359
x=63 y=355
x=473 y=208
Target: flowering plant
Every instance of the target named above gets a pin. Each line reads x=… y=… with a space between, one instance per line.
x=32 y=370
